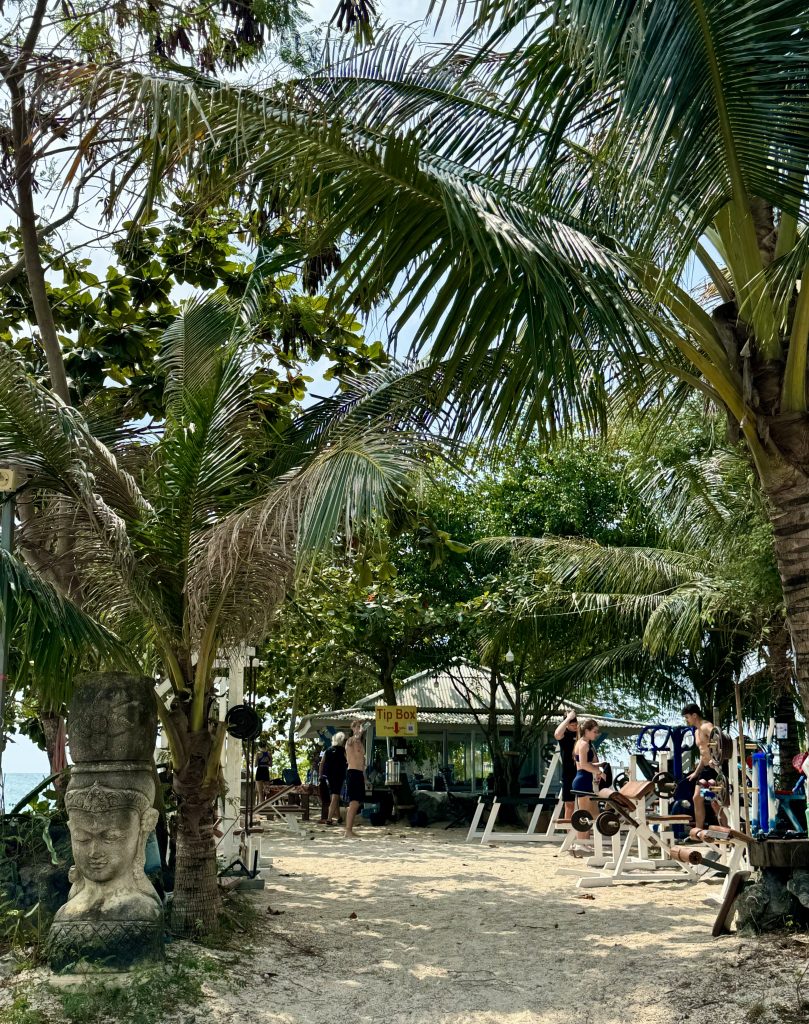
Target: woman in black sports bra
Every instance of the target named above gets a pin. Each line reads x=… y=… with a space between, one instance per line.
x=588 y=769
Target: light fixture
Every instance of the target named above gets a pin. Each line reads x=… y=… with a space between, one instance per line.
x=509 y=656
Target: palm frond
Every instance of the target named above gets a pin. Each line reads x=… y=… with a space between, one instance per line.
x=51 y=638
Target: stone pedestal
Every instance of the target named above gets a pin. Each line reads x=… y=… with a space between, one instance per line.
x=113 y=917
x=777 y=896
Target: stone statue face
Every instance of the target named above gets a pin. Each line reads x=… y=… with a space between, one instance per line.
x=106 y=844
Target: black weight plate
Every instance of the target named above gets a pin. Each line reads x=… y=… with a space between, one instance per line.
x=581 y=820
x=608 y=823
x=242 y=722
x=664 y=784
x=620 y=779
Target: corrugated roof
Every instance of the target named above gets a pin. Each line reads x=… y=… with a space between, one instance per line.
x=445 y=688
x=442 y=717
x=439 y=696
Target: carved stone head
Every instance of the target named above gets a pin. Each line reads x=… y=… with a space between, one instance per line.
x=108 y=831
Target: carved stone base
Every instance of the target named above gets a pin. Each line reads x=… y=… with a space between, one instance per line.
x=774 y=899
x=106 y=945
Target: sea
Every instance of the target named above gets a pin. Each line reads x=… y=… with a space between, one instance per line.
x=19 y=784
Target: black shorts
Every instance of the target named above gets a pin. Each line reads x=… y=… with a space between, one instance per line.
x=707 y=773
x=262 y=774
x=336 y=785
x=567 y=790
x=355 y=786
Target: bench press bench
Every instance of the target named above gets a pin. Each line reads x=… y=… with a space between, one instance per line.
x=278 y=807
x=530 y=835
x=625 y=809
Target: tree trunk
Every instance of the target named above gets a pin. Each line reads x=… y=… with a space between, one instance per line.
x=779 y=663
x=26 y=212
x=386 y=678
x=789 y=494
x=54 y=731
x=196 y=904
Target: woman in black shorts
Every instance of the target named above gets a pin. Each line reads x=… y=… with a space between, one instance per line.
x=263 y=765
x=333 y=775
x=588 y=769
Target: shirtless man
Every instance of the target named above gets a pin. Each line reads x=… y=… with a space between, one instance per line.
x=355 y=776
x=707 y=768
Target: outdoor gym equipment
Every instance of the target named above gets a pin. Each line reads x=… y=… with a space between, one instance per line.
x=625 y=811
x=677 y=740
x=552 y=833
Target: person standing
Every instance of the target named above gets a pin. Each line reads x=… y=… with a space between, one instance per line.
x=708 y=768
x=355 y=776
x=332 y=776
x=263 y=765
x=567 y=733
x=588 y=769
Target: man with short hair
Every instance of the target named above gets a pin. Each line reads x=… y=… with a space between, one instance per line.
x=567 y=733
x=708 y=768
x=355 y=776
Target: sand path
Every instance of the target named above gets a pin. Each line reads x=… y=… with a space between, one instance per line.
x=452 y=934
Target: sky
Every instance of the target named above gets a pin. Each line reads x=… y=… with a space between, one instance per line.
x=21 y=755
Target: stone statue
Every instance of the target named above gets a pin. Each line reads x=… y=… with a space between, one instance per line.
x=113 y=917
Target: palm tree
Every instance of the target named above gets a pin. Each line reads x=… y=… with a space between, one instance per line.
x=186 y=546
x=540 y=194
x=675 y=618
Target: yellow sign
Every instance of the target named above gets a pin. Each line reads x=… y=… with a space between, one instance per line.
x=396 y=720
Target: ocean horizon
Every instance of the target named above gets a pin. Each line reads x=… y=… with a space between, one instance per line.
x=17 y=785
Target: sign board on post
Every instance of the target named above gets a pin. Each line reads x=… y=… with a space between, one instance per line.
x=396 y=720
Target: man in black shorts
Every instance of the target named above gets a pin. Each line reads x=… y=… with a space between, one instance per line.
x=707 y=769
x=355 y=776
x=567 y=732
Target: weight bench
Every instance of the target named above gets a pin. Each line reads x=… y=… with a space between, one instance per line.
x=625 y=809
x=278 y=808
x=735 y=844
x=530 y=835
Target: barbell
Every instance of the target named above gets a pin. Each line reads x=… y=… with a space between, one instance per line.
x=607 y=823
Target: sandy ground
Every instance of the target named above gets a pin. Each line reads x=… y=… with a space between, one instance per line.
x=447 y=933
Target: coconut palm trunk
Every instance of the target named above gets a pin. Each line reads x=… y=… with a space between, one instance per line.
x=789 y=495
x=196 y=904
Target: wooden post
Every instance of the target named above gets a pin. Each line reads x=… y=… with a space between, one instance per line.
x=742 y=751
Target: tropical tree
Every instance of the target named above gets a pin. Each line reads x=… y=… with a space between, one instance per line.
x=678 y=616
x=80 y=328
x=110 y=327
x=540 y=196
x=185 y=546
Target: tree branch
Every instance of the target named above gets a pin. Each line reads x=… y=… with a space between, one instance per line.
x=14 y=271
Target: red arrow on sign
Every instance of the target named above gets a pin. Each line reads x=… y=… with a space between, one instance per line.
x=396 y=727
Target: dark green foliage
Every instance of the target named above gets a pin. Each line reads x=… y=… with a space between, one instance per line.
x=110 y=323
